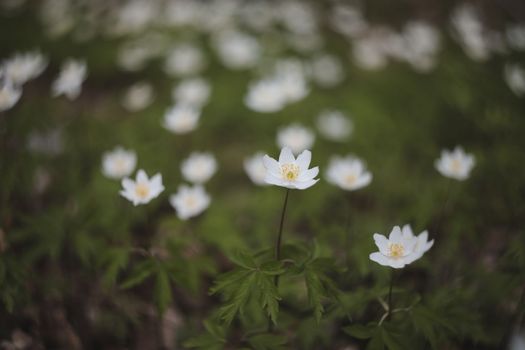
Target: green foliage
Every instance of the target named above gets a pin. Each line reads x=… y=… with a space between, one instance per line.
x=248 y=281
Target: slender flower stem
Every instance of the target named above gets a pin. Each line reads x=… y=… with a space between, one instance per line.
x=278 y=247
x=390 y=293
x=444 y=207
x=280 y=235
x=347 y=228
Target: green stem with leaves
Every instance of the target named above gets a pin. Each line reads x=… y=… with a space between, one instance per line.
x=278 y=246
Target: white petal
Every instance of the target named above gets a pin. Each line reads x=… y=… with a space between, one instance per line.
x=304 y=185
x=303 y=160
x=286 y=156
x=271 y=165
x=308 y=174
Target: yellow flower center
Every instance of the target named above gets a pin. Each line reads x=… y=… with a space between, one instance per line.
x=456 y=165
x=190 y=202
x=290 y=172
x=396 y=250
x=350 y=179
x=142 y=190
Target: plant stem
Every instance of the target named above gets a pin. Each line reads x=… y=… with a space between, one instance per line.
x=444 y=207
x=390 y=294
x=278 y=248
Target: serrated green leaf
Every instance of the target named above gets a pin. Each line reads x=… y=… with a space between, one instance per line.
x=269 y=295
x=139 y=274
x=272 y=268
x=243 y=259
x=315 y=292
x=267 y=342
x=229 y=279
x=238 y=299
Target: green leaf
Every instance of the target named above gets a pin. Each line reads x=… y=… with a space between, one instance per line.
x=162 y=290
x=139 y=274
x=243 y=259
x=269 y=295
x=238 y=299
x=359 y=331
x=272 y=268
x=268 y=342
x=315 y=291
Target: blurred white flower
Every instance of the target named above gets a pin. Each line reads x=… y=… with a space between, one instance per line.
x=421 y=45
x=395 y=251
x=9 y=94
x=199 y=167
x=348 y=20
x=296 y=137
x=181 y=119
x=515 y=78
x=237 y=50
x=348 y=173
x=194 y=92
x=265 y=96
x=118 y=163
x=138 y=96
x=189 y=201
x=134 y=16
x=470 y=32
x=290 y=172
x=422 y=243
x=254 y=167
x=69 y=81
x=517 y=340
x=22 y=67
x=183 y=60
x=143 y=189
x=456 y=164
x=516 y=36
x=369 y=52
x=334 y=125
x=290 y=75
x=182 y=13
x=326 y=70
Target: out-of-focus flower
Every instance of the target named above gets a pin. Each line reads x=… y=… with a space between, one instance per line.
x=395 y=251
x=326 y=70
x=515 y=78
x=422 y=243
x=455 y=164
x=143 y=189
x=290 y=172
x=334 y=125
x=194 y=92
x=265 y=96
x=9 y=94
x=134 y=54
x=296 y=137
x=118 y=163
x=369 y=52
x=69 y=81
x=477 y=41
x=421 y=43
x=138 y=96
x=348 y=20
x=254 y=167
x=199 y=167
x=181 y=119
x=184 y=60
x=23 y=67
x=189 y=201
x=134 y=16
x=237 y=50
x=290 y=75
x=349 y=173
x=516 y=36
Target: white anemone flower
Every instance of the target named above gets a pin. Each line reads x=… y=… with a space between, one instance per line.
x=118 y=163
x=189 y=201
x=326 y=70
x=290 y=172
x=265 y=96
x=69 y=81
x=143 y=189
x=237 y=50
x=348 y=173
x=254 y=167
x=422 y=243
x=194 y=92
x=199 y=167
x=23 y=67
x=455 y=164
x=184 y=60
x=9 y=95
x=181 y=119
x=515 y=78
x=296 y=137
x=138 y=96
x=395 y=251
x=334 y=125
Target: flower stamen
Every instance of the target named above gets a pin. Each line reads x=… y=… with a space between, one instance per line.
x=290 y=172
x=396 y=250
